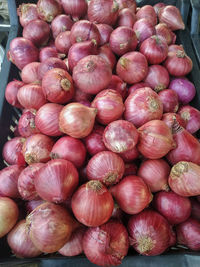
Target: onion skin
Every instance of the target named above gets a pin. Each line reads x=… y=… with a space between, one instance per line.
x=106 y=53
x=118 y=85
x=130 y=4
x=132 y=194
x=11 y=91
x=126 y=18
x=20 y=242
x=149 y=233
x=148 y=13
x=47 y=52
x=92 y=204
x=104 y=31
x=188 y=234
x=29 y=73
x=48 y=9
x=129 y=155
x=50 y=226
x=168 y=118
x=191 y=116
x=158 y=6
x=9 y=215
x=163 y=32
x=26 y=124
x=169 y=99
x=62 y=42
x=106 y=245
x=106 y=167
x=27 y=13
x=143 y=29
x=136 y=86
x=176 y=209
x=61 y=23
x=155 y=173
x=184 y=179
x=76 y=9
x=175 y=48
x=32 y=204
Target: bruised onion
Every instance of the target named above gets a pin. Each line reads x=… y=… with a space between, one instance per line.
x=126 y=18
x=191 y=116
x=48 y=9
x=12 y=151
x=75 y=8
x=104 y=31
x=169 y=99
x=169 y=118
x=27 y=12
x=26 y=123
x=29 y=73
x=61 y=23
x=143 y=29
x=62 y=42
x=11 y=91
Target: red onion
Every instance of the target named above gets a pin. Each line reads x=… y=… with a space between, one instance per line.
x=155 y=173
x=11 y=91
x=8 y=181
x=172 y=17
x=77 y=120
x=130 y=4
x=147 y=12
x=184 y=179
x=74 y=245
x=149 y=233
x=26 y=124
x=46 y=119
x=132 y=67
x=37 y=148
x=175 y=48
x=176 y=209
x=126 y=18
x=106 y=53
x=48 y=9
x=129 y=155
x=103 y=11
x=57 y=86
x=12 y=151
x=169 y=99
x=32 y=204
x=122 y=40
x=157 y=77
x=178 y=63
x=47 y=52
x=149 y=104
x=104 y=31
x=92 y=204
x=143 y=29
x=195 y=209
x=74 y=150
x=26 y=181
x=80 y=96
x=132 y=194
x=188 y=234
x=155 y=139
x=118 y=85
x=29 y=73
x=106 y=167
x=191 y=116
x=187 y=146
x=130 y=169
x=62 y=42
x=120 y=136
x=9 y=215
x=20 y=242
x=158 y=6
x=92 y=74
x=84 y=30
x=61 y=23
x=27 y=13
x=184 y=88
x=50 y=226
x=169 y=118
x=106 y=245
x=109 y=104
x=80 y=50
x=22 y=51
x=30 y=96
x=137 y=86
x=155 y=49
x=75 y=8
x=117 y=213
x=37 y=31
x=164 y=33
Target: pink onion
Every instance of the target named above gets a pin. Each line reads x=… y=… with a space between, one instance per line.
x=61 y=23
x=26 y=124
x=164 y=33
x=47 y=52
x=48 y=9
x=11 y=91
x=106 y=53
x=104 y=31
x=118 y=85
x=136 y=86
x=129 y=155
x=191 y=116
x=143 y=29
x=62 y=42
x=126 y=18
x=29 y=73
x=169 y=118
x=75 y=8
x=169 y=99
x=27 y=12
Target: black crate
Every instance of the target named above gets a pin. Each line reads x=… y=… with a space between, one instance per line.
x=9 y=117
x=195 y=26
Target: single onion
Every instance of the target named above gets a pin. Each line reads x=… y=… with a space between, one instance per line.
x=118 y=85
x=149 y=233
x=176 y=209
x=75 y=8
x=158 y=6
x=77 y=120
x=126 y=18
x=92 y=74
x=130 y=4
x=104 y=31
x=155 y=139
x=169 y=118
x=8 y=181
x=26 y=181
x=106 y=53
x=9 y=215
x=195 y=209
x=37 y=148
x=22 y=51
x=62 y=42
x=155 y=173
x=11 y=91
x=164 y=33
x=106 y=245
x=71 y=149
x=132 y=67
x=27 y=12
x=50 y=226
x=129 y=155
x=92 y=204
x=30 y=96
x=26 y=123
x=130 y=169
x=143 y=29
x=169 y=99
x=61 y=23
x=109 y=105
x=136 y=86
x=48 y=9
x=148 y=13
x=106 y=167
x=29 y=73
x=184 y=179
x=191 y=116
x=47 y=52
x=147 y=102
x=32 y=204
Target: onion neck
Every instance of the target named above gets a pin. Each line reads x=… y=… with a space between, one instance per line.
x=153 y=104
x=94 y=185
x=145 y=244
x=180 y=54
x=65 y=84
x=185 y=115
x=115 y=7
x=159 y=88
x=179 y=169
x=110 y=178
x=124 y=62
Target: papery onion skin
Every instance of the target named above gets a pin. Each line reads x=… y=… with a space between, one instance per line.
x=32 y=204
x=104 y=31
x=130 y=155
x=29 y=73
x=126 y=18
x=11 y=91
x=149 y=104
x=63 y=43
x=92 y=204
x=168 y=118
x=48 y=9
x=106 y=245
x=148 y=13
x=27 y=13
x=169 y=99
x=158 y=6
x=191 y=116
x=9 y=215
x=132 y=194
x=175 y=48
x=136 y=86
x=176 y=209
x=130 y=4
x=50 y=226
x=155 y=173
x=75 y=8
x=26 y=123
x=61 y=23
x=155 y=139
x=117 y=213
x=106 y=53
x=163 y=32
x=106 y=167
x=118 y=85
x=71 y=149
x=143 y=29
x=47 y=52
x=20 y=242
x=184 y=179
x=149 y=233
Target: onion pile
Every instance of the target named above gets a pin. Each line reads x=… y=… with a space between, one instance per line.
x=106 y=135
